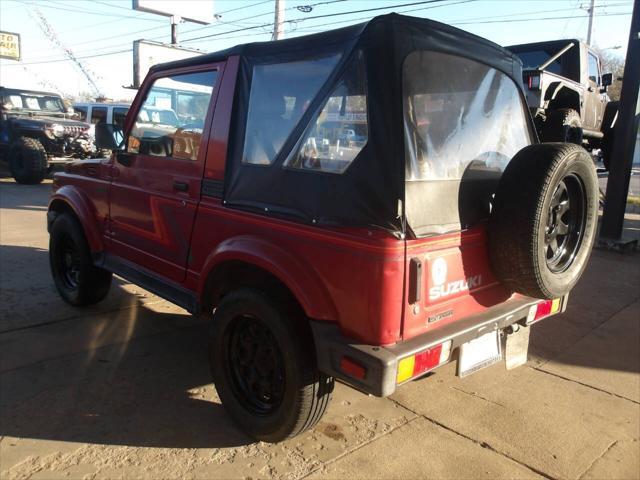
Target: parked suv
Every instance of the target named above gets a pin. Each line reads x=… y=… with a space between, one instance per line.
x=37 y=131
x=102 y=112
x=439 y=235
x=567 y=93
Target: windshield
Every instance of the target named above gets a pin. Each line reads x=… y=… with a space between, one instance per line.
x=32 y=101
x=566 y=65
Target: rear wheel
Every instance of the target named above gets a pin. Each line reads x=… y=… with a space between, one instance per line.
x=563 y=125
x=544 y=217
x=27 y=160
x=263 y=364
x=78 y=281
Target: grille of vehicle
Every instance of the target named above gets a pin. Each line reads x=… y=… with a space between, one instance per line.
x=74 y=130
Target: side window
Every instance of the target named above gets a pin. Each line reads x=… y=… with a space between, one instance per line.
x=82 y=111
x=280 y=94
x=119 y=115
x=594 y=74
x=171 y=119
x=339 y=131
x=98 y=114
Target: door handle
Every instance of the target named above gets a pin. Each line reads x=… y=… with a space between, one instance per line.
x=180 y=186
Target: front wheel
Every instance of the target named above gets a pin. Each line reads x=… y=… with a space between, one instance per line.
x=78 y=281
x=27 y=160
x=263 y=364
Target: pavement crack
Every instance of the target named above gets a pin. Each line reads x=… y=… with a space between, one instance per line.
x=488 y=446
x=606 y=450
x=364 y=444
x=585 y=385
x=479 y=443
x=475 y=395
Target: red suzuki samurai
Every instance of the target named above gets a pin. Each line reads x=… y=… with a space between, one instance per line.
x=364 y=204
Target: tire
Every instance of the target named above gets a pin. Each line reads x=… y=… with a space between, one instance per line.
x=255 y=337
x=547 y=196
x=27 y=160
x=78 y=281
x=563 y=125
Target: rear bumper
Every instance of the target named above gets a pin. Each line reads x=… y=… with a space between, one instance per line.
x=381 y=363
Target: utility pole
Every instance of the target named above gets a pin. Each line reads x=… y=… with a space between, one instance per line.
x=591 y=9
x=624 y=139
x=174 y=29
x=278 y=23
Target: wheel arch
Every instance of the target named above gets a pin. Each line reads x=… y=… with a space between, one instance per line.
x=248 y=261
x=68 y=199
x=563 y=96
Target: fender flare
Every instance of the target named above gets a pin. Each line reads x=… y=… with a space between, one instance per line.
x=78 y=202
x=303 y=282
x=557 y=87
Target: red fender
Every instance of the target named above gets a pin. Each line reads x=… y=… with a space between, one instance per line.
x=300 y=278
x=74 y=198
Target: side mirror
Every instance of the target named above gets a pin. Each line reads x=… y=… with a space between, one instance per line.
x=607 y=79
x=109 y=136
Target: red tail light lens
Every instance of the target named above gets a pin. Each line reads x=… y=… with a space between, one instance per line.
x=352 y=368
x=543 y=310
x=534 y=82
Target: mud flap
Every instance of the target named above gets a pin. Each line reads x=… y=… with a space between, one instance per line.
x=517 y=347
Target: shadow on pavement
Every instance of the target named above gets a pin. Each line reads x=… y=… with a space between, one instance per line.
x=123 y=373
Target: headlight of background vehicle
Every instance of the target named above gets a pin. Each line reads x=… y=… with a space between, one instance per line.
x=57 y=130
x=54 y=130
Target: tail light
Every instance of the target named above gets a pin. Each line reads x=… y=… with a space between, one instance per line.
x=543 y=309
x=422 y=362
x=534 y=82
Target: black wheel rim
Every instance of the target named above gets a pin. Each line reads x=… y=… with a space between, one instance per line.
x=565 y=224
x=254 y=365
x=68 y=260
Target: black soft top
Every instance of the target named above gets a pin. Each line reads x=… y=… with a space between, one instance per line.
x=442 y=35
x=371 y=191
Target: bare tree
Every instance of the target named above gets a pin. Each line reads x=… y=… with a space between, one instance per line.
x=612 y=63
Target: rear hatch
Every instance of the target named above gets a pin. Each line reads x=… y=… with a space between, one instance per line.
x=448 y=278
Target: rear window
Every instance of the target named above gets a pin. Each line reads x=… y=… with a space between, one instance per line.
x=458 y=113
x=463 y=122
x=339 y=130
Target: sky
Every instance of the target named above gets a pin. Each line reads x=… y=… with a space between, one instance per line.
x=100 y=33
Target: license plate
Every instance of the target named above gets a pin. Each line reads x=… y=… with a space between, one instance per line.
x=479 y=353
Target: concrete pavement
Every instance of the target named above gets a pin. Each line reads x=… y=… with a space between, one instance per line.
x=122 y=389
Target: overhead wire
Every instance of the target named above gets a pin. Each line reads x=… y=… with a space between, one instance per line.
x=487 y=20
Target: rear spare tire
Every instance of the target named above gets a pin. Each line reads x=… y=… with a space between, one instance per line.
x=27 y=160
x=563 y=125
x=544 y=218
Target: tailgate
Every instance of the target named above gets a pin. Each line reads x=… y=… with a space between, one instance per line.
x=448 y=279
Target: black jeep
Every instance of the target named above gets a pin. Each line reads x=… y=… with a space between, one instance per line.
x=37 y=131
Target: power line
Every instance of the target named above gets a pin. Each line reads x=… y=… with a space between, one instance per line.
x=56 y=6
x=327 y=15
x=295 y=21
